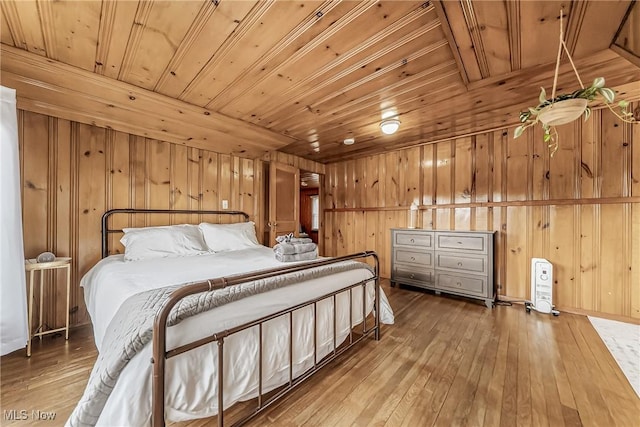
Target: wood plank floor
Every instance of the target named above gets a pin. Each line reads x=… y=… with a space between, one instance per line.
x=446 y=362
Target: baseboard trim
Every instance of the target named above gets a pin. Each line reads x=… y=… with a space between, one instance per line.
x=580 y=311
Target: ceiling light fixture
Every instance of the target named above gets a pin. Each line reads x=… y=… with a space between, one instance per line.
x=349 y=141
x=390 y=126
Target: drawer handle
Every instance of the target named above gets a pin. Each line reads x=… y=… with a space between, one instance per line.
x=413 y=241
x=413 y=258
x=412 y=276
x=459 y=264
x=458 y=284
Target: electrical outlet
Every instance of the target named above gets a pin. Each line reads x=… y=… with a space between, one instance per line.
x=225 y=204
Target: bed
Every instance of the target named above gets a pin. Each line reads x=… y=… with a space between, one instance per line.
x=275 y=324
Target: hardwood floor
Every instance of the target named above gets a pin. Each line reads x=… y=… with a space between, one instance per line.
x=446 y=362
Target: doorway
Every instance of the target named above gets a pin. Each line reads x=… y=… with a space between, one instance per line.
x=311 y=206
x=293 y=203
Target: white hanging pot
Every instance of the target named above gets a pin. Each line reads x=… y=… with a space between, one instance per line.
x=562 y=112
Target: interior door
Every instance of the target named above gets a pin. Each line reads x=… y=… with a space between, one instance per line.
x=284 y=201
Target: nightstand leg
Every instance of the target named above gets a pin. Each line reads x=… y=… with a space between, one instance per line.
x=68 y=288
x=40 y=327
x=30 y=322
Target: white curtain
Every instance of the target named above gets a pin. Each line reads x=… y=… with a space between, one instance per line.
x=13 y=299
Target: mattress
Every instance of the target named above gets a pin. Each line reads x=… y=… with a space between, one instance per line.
x=191 y=382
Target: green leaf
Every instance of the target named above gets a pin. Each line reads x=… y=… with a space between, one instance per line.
x=518 y=131
x=587 y=114
x=607 y=94
x=523 y=117
x=547 y=137
x=533 y=111
x=598 y=82
x=623 y=104
x=543 y=95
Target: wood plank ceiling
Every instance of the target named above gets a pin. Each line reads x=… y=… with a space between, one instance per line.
x=311 y=73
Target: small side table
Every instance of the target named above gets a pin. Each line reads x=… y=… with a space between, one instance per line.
x=31 y=266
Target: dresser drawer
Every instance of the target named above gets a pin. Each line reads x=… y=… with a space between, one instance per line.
x=462 y=262
x=412 y=238
x=407 y=256
x=466 y=242
x=401 y=273
x=463 y=284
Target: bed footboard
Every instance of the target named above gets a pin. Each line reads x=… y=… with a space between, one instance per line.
x=160 y=353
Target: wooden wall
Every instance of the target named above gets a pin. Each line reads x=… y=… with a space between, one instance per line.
x=73 y=172
x=295 y=161
x=579 y=209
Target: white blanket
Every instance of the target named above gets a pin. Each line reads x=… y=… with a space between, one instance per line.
x=191 y=382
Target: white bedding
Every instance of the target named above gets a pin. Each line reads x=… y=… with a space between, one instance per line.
x=192 y=377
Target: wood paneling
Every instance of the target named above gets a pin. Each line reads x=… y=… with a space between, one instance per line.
x=246 y=77
x=295 y=161
x=488 y=104
x=53 y=88
x=73 y=172
x=579 y=208
x=158 y=30
x=628 y=39
x=494 y=38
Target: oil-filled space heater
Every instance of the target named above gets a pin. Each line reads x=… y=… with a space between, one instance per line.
x=541 y=287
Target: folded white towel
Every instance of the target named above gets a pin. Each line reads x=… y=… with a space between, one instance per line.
x=307 y=256
x=288 y=238
x=300 y=240
x=294 y=248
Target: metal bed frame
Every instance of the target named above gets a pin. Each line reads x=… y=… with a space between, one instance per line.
x=161 y=354
x=105 y=220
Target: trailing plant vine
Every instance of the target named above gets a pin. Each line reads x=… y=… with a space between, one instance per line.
x=531 y=117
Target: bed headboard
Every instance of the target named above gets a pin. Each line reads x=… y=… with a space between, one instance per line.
x=105 y=219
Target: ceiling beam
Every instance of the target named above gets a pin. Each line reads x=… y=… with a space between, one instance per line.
x=50 y=87
x=574 y=26
x=446 y=28
x=515 y=40
x=626 y=54
x=47 y=23
x=474 y=32
x=135 y=36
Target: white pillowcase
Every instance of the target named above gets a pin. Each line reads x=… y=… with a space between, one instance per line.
x=229 y=237
x=162 y=242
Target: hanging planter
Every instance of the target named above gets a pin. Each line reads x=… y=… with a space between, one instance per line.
x=563 y=112
x=565 y=108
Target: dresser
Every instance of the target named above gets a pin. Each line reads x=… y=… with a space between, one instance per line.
x=454 y=262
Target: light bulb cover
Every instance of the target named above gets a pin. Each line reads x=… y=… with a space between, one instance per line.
x=349 y=141
x=390 y=126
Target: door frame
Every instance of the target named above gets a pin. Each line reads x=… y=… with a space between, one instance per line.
x=272 y=208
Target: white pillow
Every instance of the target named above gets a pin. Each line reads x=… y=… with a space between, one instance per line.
x=162 y=242
x=229 y=237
